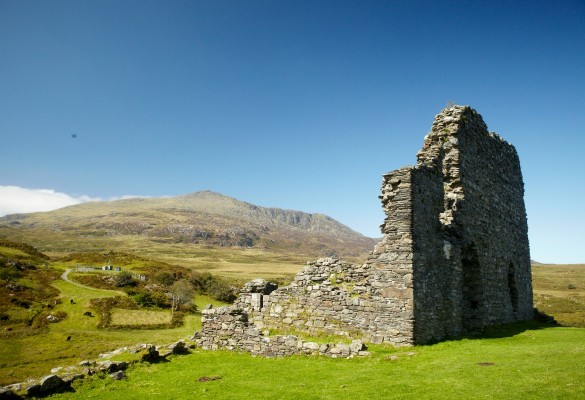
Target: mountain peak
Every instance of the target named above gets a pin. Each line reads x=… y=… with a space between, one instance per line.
x=203 y=217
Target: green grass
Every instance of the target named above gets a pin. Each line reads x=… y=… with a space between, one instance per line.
x=11 y=252
x=517 y=362
x=558 y=291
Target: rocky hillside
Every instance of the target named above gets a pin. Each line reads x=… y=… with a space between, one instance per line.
x=205 y=218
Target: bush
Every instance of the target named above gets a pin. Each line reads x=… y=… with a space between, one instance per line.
x=144 y=299
x=165 y=278
x=159 y=299
x=124 y=279
x=214 y=286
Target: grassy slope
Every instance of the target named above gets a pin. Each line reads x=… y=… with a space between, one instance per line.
x=559 y=290
x=557 y=285
x=36 y=355
x=232 y=262
x=131 y=224
x=535 y=363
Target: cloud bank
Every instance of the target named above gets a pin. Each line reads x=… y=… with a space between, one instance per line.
x=15 y=199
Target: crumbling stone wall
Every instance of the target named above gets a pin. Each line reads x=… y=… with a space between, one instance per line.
x=454 y=259
x=469 y=207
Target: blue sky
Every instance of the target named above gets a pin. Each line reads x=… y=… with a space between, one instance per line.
x=292 y=104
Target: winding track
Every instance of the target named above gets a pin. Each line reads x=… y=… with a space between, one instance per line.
x=65 y=277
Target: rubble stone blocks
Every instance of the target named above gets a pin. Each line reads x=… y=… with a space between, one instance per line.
x=454 y=259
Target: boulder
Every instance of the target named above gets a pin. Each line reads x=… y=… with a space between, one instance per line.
x=32 y=389
x=53 y=384
x=178 y=348
x=151 y=355
x=118 y=375
x=356 y=346
x=112 y=366
x=72 y=377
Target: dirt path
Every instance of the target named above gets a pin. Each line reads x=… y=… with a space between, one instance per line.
x=65 y=277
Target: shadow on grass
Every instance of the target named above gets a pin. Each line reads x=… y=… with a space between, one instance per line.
x=512 y=329
x=540 y=321
x=501 y=331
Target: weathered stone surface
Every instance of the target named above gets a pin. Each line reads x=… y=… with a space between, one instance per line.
x=111 y=366
x=118 y=375
x=178 y=348
x=52 y=384
x=454 y=259
x=150 y=354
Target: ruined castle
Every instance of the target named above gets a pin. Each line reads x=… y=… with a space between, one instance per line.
x=454 y=259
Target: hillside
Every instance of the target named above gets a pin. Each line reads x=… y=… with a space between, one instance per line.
x=202 y=218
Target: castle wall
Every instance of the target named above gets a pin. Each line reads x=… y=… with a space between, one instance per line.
x=474 y=253
x=454 y=259
x=436 y=269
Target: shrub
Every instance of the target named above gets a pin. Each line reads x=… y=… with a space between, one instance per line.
x=144 y=299
x=159 y=299
x=124 y=279
x=215 y=286
x=165 y=278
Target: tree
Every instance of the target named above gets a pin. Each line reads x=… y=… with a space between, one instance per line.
x=181 y=293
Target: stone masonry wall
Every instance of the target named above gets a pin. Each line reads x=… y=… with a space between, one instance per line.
x=454 y=259
x=477 y=220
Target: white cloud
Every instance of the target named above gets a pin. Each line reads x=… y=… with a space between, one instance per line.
x=15 y=199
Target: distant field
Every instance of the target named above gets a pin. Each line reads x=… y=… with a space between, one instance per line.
x=235 y=263
x=559 y=290
x=123 y=317
x=232 y=262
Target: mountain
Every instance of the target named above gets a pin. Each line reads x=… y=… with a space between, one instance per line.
x=202 y=218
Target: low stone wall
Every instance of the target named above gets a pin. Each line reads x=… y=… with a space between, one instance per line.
x=228 y=328
x=329 y=299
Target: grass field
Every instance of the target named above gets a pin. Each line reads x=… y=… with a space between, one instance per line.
x=243 y=264
x=527 y=361
x=123 y=317
x=558 y=291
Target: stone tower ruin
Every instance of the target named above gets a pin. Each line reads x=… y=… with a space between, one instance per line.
x=454 y=259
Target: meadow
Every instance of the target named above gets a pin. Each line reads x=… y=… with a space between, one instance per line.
x=559 y=290
x=528 y=360
x=520 y=361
